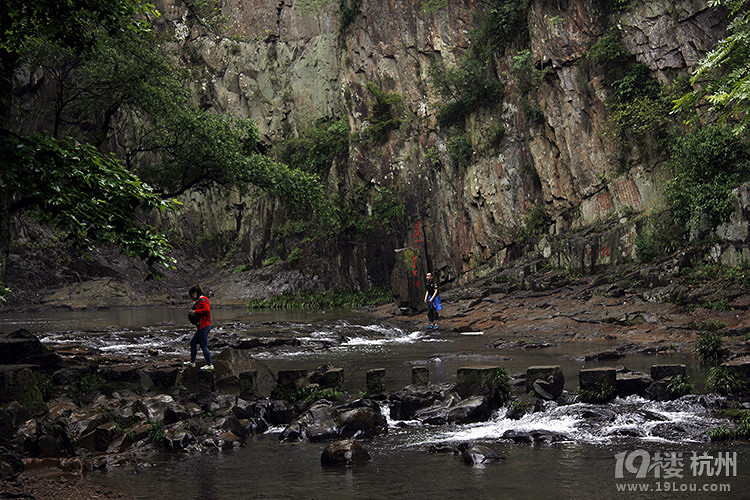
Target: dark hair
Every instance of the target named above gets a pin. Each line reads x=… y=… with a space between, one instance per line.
x=196 y=289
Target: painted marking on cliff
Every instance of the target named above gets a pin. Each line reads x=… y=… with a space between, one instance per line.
x=602 y=204
x=627 y=193
x=417 y=243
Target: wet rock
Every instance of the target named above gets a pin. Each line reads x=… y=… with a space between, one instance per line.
x=178 y=439
x=230 y=365
x=11 y=464
x=155 y=407
x=469 y=410
x=344 y=453
x=19 y=383
x=104 y=436
x=741 y=365
x=597 y=384
x=248 y=384
x=630 y=383
x=609 y=354
x=22 y=347
x=659 y=372
x=482 y=380
x=405 y=404
x=253 y=426
x=474 y=454
x=442 y=448
x=288 y=382
x=319 y=422
x=277 y=412
x=164 y=378
x=546 y=381
x=327 y=377
x=375 y=381
x=48 y=438
x=197 y=382
x=420 y=375
x=597 y=414
x=120 y=373
x=534 y=437
x=362 y=418
x=228 y=440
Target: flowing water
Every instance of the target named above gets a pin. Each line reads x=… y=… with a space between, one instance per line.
x=635 y=449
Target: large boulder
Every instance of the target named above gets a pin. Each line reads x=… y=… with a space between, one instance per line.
x=319 y=422
x=466 y=411
x=231 y=367
x=474 y=454
x=406 y=404
x=362 y=418
x=344 y=453
x=20 y=383
x=23 y=347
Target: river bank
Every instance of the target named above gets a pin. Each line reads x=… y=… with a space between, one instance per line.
x=621 y=314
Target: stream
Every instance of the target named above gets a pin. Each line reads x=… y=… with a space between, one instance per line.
x=642 y=449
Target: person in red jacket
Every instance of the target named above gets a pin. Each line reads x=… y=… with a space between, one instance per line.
x=201 y=309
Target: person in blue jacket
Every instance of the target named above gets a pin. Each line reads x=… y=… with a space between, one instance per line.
x=433 y=302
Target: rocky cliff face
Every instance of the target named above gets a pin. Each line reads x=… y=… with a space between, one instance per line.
x=285 y=67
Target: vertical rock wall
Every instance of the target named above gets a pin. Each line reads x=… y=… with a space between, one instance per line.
x=284 y=67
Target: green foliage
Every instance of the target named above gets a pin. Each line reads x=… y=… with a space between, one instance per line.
x=721 y=433
x=383 y=113
x=431 y=6
x=529 y=80
x=271 y=260
x=708 y=164
x=657 y=237
x=722 y=78
x=156 y=433
x=460 y=151
x=45 y=385
x=740 y=429
x=465 y=88
x=302 y=192
x=89 y=195
x=739 y=275
x=111 y=82
x=501 y=23
x=473 y=83
x=333 y=298
x=711 y=325
x=361 y=214
x=725 y=380
x=600 y=392
x=502 y=385
x=639 y=105
x=241 y=268
x=680 y=385
x=709 y=348
x=90 y=382
x=536 y=223
x=309 y=394
x=325 y=141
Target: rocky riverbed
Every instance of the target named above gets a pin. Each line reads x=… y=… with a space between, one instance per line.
x=94 y=411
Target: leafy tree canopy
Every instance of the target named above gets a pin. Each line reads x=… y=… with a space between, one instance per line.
x=723 y=76
x=51 y=174
x=108 y=80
